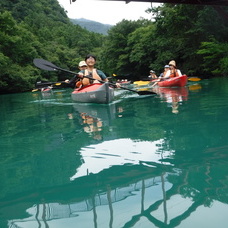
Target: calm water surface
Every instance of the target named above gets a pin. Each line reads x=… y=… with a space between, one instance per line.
x=142 y=161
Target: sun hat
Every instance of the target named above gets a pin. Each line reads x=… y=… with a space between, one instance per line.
x=90 y=55
x=172 y=63
x=166 y=66
x=82 y=63
x=151 y=71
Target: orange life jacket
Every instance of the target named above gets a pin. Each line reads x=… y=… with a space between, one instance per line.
x=173 y=73
x=78 y=84
x=87 y=81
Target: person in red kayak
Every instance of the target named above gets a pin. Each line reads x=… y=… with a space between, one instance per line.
x=170 y=73
x=166 y=68
x=173 y=71
x=82 y=65
x=95 y=74
x=75 y=81
x=152 y=75
x=92 y=72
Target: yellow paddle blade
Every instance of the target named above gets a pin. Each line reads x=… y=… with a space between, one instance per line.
x=114 y=75
x=34 y=90
x=194 y=79
x=58 y=84
x=141 y=82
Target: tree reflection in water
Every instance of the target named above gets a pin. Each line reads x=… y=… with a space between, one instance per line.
x=168 y=191
x=166 y=198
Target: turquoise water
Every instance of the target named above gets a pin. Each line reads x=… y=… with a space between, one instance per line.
x=142 y=161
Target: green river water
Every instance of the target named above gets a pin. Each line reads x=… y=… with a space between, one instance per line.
x=142 y=161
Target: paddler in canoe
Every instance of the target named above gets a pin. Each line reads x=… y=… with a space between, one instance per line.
x=96 y=75
x=152 y=75
x=169 y=73
x=173 y=71
x=73 y=82
x=151 y=78
x=166 y=68
x=92 y=72
x=87 y=68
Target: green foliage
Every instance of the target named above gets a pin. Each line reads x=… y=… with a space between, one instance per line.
x=16 y=51
x=117 y=48
x=178 y=32
x=39 y=29
x=215 y=57
x=142 y=52
x=195 y=36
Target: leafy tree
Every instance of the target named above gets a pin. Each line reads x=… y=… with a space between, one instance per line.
x=215 y=57
x=39 y=29
x=141 y=49
x=195 y=36
x=178 y=32
x=17 y=51
x=116 y=53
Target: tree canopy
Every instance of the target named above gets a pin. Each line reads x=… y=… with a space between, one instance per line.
x=194 y=36
x=38 y=29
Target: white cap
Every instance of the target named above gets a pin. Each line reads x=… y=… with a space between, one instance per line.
x=82 y=63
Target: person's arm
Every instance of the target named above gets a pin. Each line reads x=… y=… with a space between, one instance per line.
x=102 y=75
x=81 y=74
x=72 y=81
x=167 y=74
x=105 y=79
x=179 y=72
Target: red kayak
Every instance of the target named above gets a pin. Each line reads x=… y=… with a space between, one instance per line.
x=94 y=93
x=179 y=81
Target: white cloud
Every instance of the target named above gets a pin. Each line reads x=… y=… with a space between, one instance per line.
x=106 y=12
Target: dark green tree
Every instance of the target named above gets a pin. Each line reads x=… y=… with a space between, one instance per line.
x=117 y=49
x=177 y=32
x=39 y=29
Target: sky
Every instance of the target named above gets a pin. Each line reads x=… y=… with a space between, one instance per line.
x=106 y=12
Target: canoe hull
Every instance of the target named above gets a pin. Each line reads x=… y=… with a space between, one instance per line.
x=95 y=93
x=179 y=81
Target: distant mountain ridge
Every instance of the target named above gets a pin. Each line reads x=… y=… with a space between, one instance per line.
x=92 y=26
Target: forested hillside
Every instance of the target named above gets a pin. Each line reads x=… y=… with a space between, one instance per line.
x=92 y=26
x=38 y=29
x=194 y=36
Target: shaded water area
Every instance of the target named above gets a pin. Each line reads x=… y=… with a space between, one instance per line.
x=142 y=161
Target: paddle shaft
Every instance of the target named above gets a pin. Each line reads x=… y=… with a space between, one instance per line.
x=40 y=84
x=61 y=69
x=112 y=84
x=159 y=79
